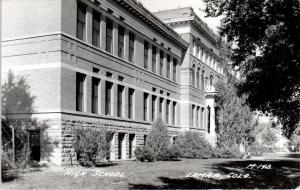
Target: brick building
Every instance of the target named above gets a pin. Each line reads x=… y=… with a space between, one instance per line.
x=110 y=64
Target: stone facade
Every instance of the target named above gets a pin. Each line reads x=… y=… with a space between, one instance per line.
x=64 y=48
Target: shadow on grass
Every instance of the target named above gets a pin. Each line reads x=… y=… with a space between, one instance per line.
x=284 y=174
x=105 y=164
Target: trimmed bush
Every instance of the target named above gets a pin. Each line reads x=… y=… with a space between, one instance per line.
x=193 y=145
x=91 y=146
x=143 y=154
x=158 y=140
x=226 y=152
x=157 y=147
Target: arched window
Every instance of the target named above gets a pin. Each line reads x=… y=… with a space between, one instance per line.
x=193 y=75
x=202 y=80
x=211 y=81
x=198 y=78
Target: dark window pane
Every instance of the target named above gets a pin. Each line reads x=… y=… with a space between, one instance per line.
x=120 y=100
x=108 y=88
x=109 y=37
x=95 y=85
x=154 y=59
x=121 y=42
x=96 y=29
x=131 y=46
x=146 y=48
x=79 y=91
x=81 y=12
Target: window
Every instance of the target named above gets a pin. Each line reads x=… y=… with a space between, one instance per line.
x=108 y=89
x=211 y=79
x=153 y=108
x=131 y=142
x=131 y=47
x=121 y=145
x=121 y=42
x=130 y=103
x=145 y=139
x=193 y=115
x=174 y=113
x=168 y=112
x=197 y=117
x=80 y=78
x=168 y=66
x=197 y=50
x=194 y=47
x=109 y=35
x=161 y=63
x=193 y=75
x=120 y=78
x=81 y=12
x=208 y=119
x=96 y=70
x=96 y=29
x=161 y=100
x=146 y=48
x=200 y=53
x=174 y=69
x=120 y=100
x=108 y=74
x=153 y=59
x=95 y=85
x=198 y=78
x=202 y=118
x=202 y=80
x=145 y=106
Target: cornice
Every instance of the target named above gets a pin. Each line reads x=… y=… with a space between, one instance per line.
x=152 y=21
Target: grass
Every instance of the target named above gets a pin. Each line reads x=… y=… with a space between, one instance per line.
x=165 y=175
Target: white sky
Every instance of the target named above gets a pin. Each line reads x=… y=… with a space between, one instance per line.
x=197 y=5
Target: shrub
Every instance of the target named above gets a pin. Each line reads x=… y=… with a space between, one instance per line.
x=157 y=147
x=226 y=152
x=158 y=140
x=91 y=146
x=8 y=167
x=143 y=154
x=256 y=149
x=192 y=145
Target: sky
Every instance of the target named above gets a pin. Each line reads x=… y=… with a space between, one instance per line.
x=197 y=5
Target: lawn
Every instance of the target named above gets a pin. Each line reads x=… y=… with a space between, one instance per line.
x=196 y=174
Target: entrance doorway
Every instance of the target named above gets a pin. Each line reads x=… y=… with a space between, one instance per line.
x=35 y=145
x=131 y=144
x=121 y=138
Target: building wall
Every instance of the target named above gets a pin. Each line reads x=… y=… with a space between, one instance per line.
x=44 y=48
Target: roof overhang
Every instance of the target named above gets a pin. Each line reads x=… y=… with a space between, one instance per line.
x=137 y=10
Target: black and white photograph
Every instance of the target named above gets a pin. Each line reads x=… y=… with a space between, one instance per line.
x=150 y=94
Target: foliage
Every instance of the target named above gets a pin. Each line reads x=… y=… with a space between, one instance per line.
x=192 y=145
x=158 y=140
x=16 y=96
x=269 y=137
x=91 y=146
x=234 y=120
x=143 y=154
x=265 y=34
x=295 y=139
x=157 y=147
x=256 y=149
x=227 y=152
x=7 y=165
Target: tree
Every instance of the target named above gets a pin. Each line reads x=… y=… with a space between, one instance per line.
x=265 y=34
x=234 y=120
x=295 y=139
x=158 y=140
